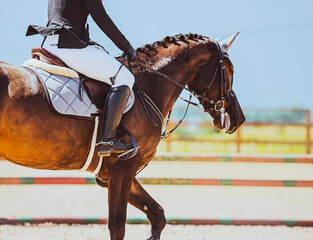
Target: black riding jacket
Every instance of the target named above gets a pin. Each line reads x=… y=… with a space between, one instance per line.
x=68 y=19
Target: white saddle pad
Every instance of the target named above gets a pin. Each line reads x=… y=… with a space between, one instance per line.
x=64 y=95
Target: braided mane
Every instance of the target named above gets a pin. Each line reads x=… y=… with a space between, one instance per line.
x=186 y=38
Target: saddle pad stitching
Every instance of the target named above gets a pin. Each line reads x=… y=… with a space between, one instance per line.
x=69 y=104
x=88 y=107
x=60 y=96
x=52 y=90
x=55 y=79
x=77 y=97
x=52 y=82
x=45 y=76
x=57 y=94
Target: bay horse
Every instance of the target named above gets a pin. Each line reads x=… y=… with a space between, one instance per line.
x=32 y=135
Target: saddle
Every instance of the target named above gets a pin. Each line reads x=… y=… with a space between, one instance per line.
x=96 y=90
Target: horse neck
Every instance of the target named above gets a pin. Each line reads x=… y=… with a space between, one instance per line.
x=182 y=68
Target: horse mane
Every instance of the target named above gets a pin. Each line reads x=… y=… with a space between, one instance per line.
x=186 y=38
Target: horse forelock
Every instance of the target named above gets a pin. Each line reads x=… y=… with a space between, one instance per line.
x=156 y=55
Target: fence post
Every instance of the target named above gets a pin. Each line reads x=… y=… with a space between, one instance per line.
x=169 y=145
x=308 y=128
x=238 y=139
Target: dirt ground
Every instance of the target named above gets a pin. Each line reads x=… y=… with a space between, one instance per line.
x=139 y=232
x=178 y=201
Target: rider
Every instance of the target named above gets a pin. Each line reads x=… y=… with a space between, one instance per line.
x=67 y=37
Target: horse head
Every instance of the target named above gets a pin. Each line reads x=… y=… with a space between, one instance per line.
x=214 y=88
x=204 y=66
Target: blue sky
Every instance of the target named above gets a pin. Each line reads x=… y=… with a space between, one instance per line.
x=272 y=56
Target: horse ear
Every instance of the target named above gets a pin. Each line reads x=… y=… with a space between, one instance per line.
x=217 y=39
x=226 y=44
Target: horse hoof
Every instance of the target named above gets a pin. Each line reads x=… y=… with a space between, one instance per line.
x=152 y=236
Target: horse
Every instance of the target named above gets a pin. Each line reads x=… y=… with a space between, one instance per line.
x=32 y=135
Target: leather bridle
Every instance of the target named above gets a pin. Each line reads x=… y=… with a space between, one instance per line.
x=214 y=105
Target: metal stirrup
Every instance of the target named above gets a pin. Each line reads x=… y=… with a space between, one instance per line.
x=109 y=143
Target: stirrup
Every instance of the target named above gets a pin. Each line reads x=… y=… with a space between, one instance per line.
x=107 y=143
x=124 y=155
x=131 y=152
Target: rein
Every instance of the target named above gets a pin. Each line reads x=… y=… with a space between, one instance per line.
x=170 y=79
x=164 y=133
x=168 y=134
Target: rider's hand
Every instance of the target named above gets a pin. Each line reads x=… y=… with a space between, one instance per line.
x=131 y=53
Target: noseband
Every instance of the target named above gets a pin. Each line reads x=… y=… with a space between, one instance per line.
x=218 y=105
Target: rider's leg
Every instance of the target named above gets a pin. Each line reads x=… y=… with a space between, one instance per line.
x=112 y=114
x=97 y=64
x=91 y=62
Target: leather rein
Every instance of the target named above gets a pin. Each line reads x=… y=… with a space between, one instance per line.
x=217 y=106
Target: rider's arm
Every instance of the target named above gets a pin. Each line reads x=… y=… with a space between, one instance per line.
x=99 y=15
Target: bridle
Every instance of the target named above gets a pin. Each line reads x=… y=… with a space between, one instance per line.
x=217 y=106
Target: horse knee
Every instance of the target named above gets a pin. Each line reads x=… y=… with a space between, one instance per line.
x=160 y=214
x=157 y=218
x=161 y=221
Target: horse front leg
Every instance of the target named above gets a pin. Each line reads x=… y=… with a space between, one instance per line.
x=140 y=199
x=121 y=175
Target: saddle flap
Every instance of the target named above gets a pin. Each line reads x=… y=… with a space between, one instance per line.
x=96 y=90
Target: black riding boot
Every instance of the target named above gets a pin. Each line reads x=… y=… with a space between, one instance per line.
x=112 y=115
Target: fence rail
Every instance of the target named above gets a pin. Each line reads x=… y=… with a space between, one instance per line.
x=243 y=158
x=239 y=140
x=173 y=221
x=162 y=181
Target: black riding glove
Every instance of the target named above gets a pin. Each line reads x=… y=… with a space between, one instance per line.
x=131 y=53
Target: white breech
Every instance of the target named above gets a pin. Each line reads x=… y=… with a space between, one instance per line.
x=91 y=62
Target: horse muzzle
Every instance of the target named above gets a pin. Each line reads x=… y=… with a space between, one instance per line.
x=232 y=118
x=237 y=116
